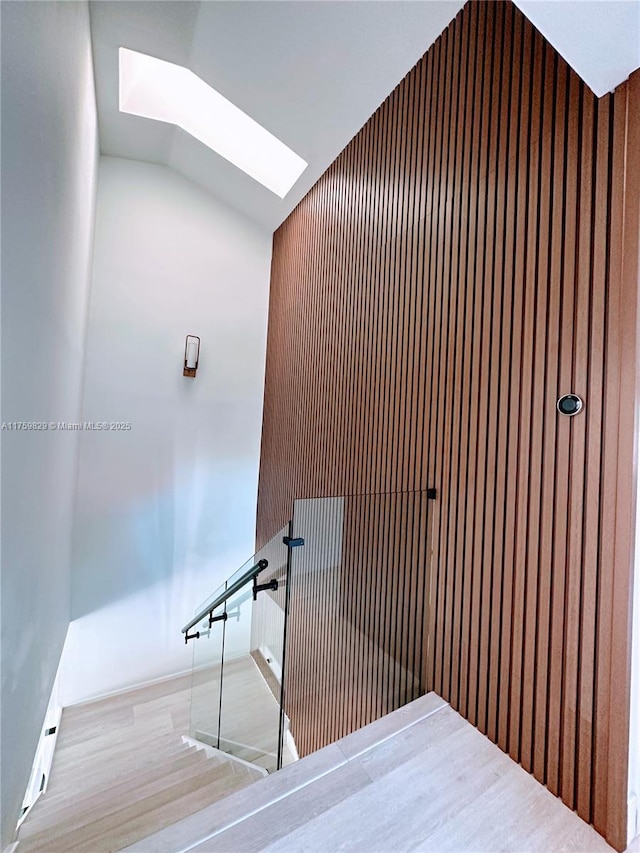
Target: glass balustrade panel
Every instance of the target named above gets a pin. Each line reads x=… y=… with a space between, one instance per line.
x=251 y=726
x=206 y=676
x=358 y=612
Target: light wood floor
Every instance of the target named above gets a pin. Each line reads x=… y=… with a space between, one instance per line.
x=122 y=771
x=421 y=778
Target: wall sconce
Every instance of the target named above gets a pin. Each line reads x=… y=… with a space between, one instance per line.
x=191 y=355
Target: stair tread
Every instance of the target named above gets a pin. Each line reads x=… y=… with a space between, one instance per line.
x=160 y=818
x=100 y=801
x=64 y=783
x=117 y=802
x=134 y=821
x=113 y=743
x=122 y=771
x=81 y=723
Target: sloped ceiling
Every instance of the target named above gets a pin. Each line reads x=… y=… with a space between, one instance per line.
x=312 y=71
x=600 y=39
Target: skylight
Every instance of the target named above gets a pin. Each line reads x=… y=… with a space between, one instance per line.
x=153 y=88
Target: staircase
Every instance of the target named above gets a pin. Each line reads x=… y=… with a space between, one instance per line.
x=421 y=777
x=122 y=771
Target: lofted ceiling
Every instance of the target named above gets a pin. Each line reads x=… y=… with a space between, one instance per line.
x=600 y=39
x=311 y=71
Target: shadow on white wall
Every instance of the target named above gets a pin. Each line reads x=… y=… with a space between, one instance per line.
x=166 y=509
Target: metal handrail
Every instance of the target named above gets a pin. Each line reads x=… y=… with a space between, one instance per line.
x=249 y=575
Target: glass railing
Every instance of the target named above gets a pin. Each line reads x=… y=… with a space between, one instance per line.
x=357 y=630
x=205 y=679
x=236 y=697
x=322 y=631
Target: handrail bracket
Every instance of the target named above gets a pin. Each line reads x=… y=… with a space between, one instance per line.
x=261 y=587
x=221 y=618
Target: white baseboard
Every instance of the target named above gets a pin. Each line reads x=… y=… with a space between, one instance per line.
x=291 y=744
x=122 y=690
x=271 y=662
x=140 y=685
x=43 y=759
x=633 y=819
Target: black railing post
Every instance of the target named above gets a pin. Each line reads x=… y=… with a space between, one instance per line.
x=291 y=543
x=224 y=631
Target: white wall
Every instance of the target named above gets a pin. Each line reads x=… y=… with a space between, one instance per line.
x=49 y=162
x=165 y=511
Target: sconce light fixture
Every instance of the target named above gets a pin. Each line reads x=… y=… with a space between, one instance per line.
x=191 y=355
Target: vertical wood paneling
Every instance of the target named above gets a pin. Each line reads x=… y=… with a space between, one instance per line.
x=467 y=259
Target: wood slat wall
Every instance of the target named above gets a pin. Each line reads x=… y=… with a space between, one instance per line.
x=470 y=256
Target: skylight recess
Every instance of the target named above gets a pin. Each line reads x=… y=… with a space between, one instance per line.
x=156 y=89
